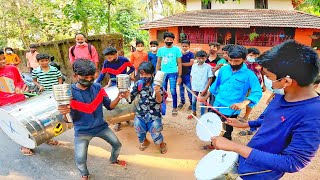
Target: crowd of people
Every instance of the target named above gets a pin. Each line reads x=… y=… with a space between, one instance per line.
x=289 y=128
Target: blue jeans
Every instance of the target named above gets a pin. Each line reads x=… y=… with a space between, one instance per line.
x=194 y=104
x=187 y=82
x=154 y=126
x=172 y=78
x=81 y=143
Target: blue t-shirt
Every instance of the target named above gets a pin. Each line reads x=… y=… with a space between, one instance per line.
x=185 y=59
x=286 y=141
x=200 y=76
x=153 y=59
x=169 y=58
x=88 y=123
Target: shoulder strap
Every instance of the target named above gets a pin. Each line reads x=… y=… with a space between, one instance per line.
x=90 y=49
x=72 y=50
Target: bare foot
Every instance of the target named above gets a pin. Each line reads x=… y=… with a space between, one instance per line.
x=163 y=148
x=52 y=142
x=26 y=151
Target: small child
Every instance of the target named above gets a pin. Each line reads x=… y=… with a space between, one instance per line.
x=114 y=65
x=187 y=61
x=152 y=55
x=201 y=78
x=87 y=118
x=45 y=76
x=149 y=113
x=138 y=57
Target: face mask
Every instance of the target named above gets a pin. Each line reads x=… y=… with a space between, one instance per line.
x=80 y=44
x=251 y=60
x=236 y=67
x=85 y=83
x=268 y=84
x=153 y=48
x=146 y=79
x=140 y=48
x=169 y=43
x=9 y=52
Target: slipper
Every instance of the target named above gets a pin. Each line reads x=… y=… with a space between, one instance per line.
x=191 y=117
x=26 y=151
x=244 y=133
x=144 y=145
x=163 y=149
x=120 y=163
x=180 y=106
x=174 y=112
x=52 y=142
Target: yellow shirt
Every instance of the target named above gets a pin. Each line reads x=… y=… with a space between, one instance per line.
x=12 y=59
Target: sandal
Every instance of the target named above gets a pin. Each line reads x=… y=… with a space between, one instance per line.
x=144 y=145
x=119 y=163
x=85 y=177
x=52 y=142
x=117 y=127
x=180 y=106
x=244 y=133
x=26 y=151
x=163 y=149
x=191 y=117
x=175 y=112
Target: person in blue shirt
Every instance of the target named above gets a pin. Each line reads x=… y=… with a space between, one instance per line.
x=152 y=55
x=87 y=115
x=232 y=85
x=187 y=60
x=169 y=62
x=289 y=128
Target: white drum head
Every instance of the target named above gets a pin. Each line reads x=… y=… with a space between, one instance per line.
x=213 y=122
x=15 y=130
x=215 y=164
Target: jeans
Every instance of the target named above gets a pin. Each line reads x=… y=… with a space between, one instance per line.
x=194 y=104
x=187 y=82
x=81 y=143
x=154 y=126
x=172 y=78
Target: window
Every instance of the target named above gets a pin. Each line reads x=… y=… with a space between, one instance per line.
x=206 y=5
x=160 y=34
x=315 y=40
x=261 y=4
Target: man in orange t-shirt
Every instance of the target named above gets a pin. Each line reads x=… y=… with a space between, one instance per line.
x=138 y=57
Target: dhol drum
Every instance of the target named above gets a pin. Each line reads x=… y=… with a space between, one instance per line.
x=217 y=164
x=34 y=121
x=213 y=123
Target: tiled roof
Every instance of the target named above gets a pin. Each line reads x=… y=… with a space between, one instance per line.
x=239 y=18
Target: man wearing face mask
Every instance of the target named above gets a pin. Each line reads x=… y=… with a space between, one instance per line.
x=83 y=50
x=231 y=86
x=11 y=57
x=289 y=128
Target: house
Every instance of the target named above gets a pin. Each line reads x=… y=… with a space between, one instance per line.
x=252 y=23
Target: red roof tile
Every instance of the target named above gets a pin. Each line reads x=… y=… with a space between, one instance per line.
x=239 y=18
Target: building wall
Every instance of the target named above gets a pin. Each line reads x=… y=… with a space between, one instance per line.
x=244 y=4
x=303 y=35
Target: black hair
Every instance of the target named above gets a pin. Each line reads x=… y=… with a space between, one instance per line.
x=168 y=34
x=147 y=67
x=254 y=51
x=51 y=58
x=292 y=59
x=227 y=47
x=80 y=34
x=317 y=80
x=154 y=43
x=1 y=51
x=185 y=42
x=33 y=46
x=110 y=51
x=215 y=44
x=54 y=64
x=8 y=48
x=238 y=52
x=83 y=67
x=139 y=42
x=201 y=53
x=42 y=56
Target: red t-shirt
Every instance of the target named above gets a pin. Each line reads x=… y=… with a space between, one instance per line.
x=13 y=73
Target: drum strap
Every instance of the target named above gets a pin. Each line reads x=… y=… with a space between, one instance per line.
x=116 y=71
x=253 y=173
x=89 y=107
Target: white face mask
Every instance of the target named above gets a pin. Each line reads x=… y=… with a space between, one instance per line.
x=140 y=48
x=268 y=84
x=8 y=51
x=153 y=49
x=251 y=60
x=80 y=44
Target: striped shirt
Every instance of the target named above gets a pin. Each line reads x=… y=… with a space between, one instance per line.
x=47 y=79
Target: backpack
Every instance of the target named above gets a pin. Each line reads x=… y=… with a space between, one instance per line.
x=74 y=46
x=163 y=105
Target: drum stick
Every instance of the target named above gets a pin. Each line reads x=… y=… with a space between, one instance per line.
x=203 y=125
x=215 y=107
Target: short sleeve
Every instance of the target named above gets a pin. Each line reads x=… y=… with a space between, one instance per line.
x=210 y=74
x=191 y=55
x=159 y=53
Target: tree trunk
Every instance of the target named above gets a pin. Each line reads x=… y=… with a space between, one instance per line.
x=109 y=16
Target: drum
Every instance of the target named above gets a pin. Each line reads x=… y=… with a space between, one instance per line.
x=217 y=164
x=34 y=121
x=213 y=123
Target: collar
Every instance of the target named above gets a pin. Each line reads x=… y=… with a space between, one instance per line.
x=39 y=68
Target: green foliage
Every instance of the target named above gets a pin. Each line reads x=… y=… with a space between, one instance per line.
x=253 y=36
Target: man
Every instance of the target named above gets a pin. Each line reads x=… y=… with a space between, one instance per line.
x=84 y=50
x=290 y=126
x=32 y=62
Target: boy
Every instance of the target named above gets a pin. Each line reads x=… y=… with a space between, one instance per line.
x=223 y=61
x=114 y=65
x=152 y=55
x=148 y=116
x=201 y=78
x=288 y=135
x=187 y=60
x=44 y=76
x=138 y=57
x=169 y=61
x=231 y=86
x=87 y=115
